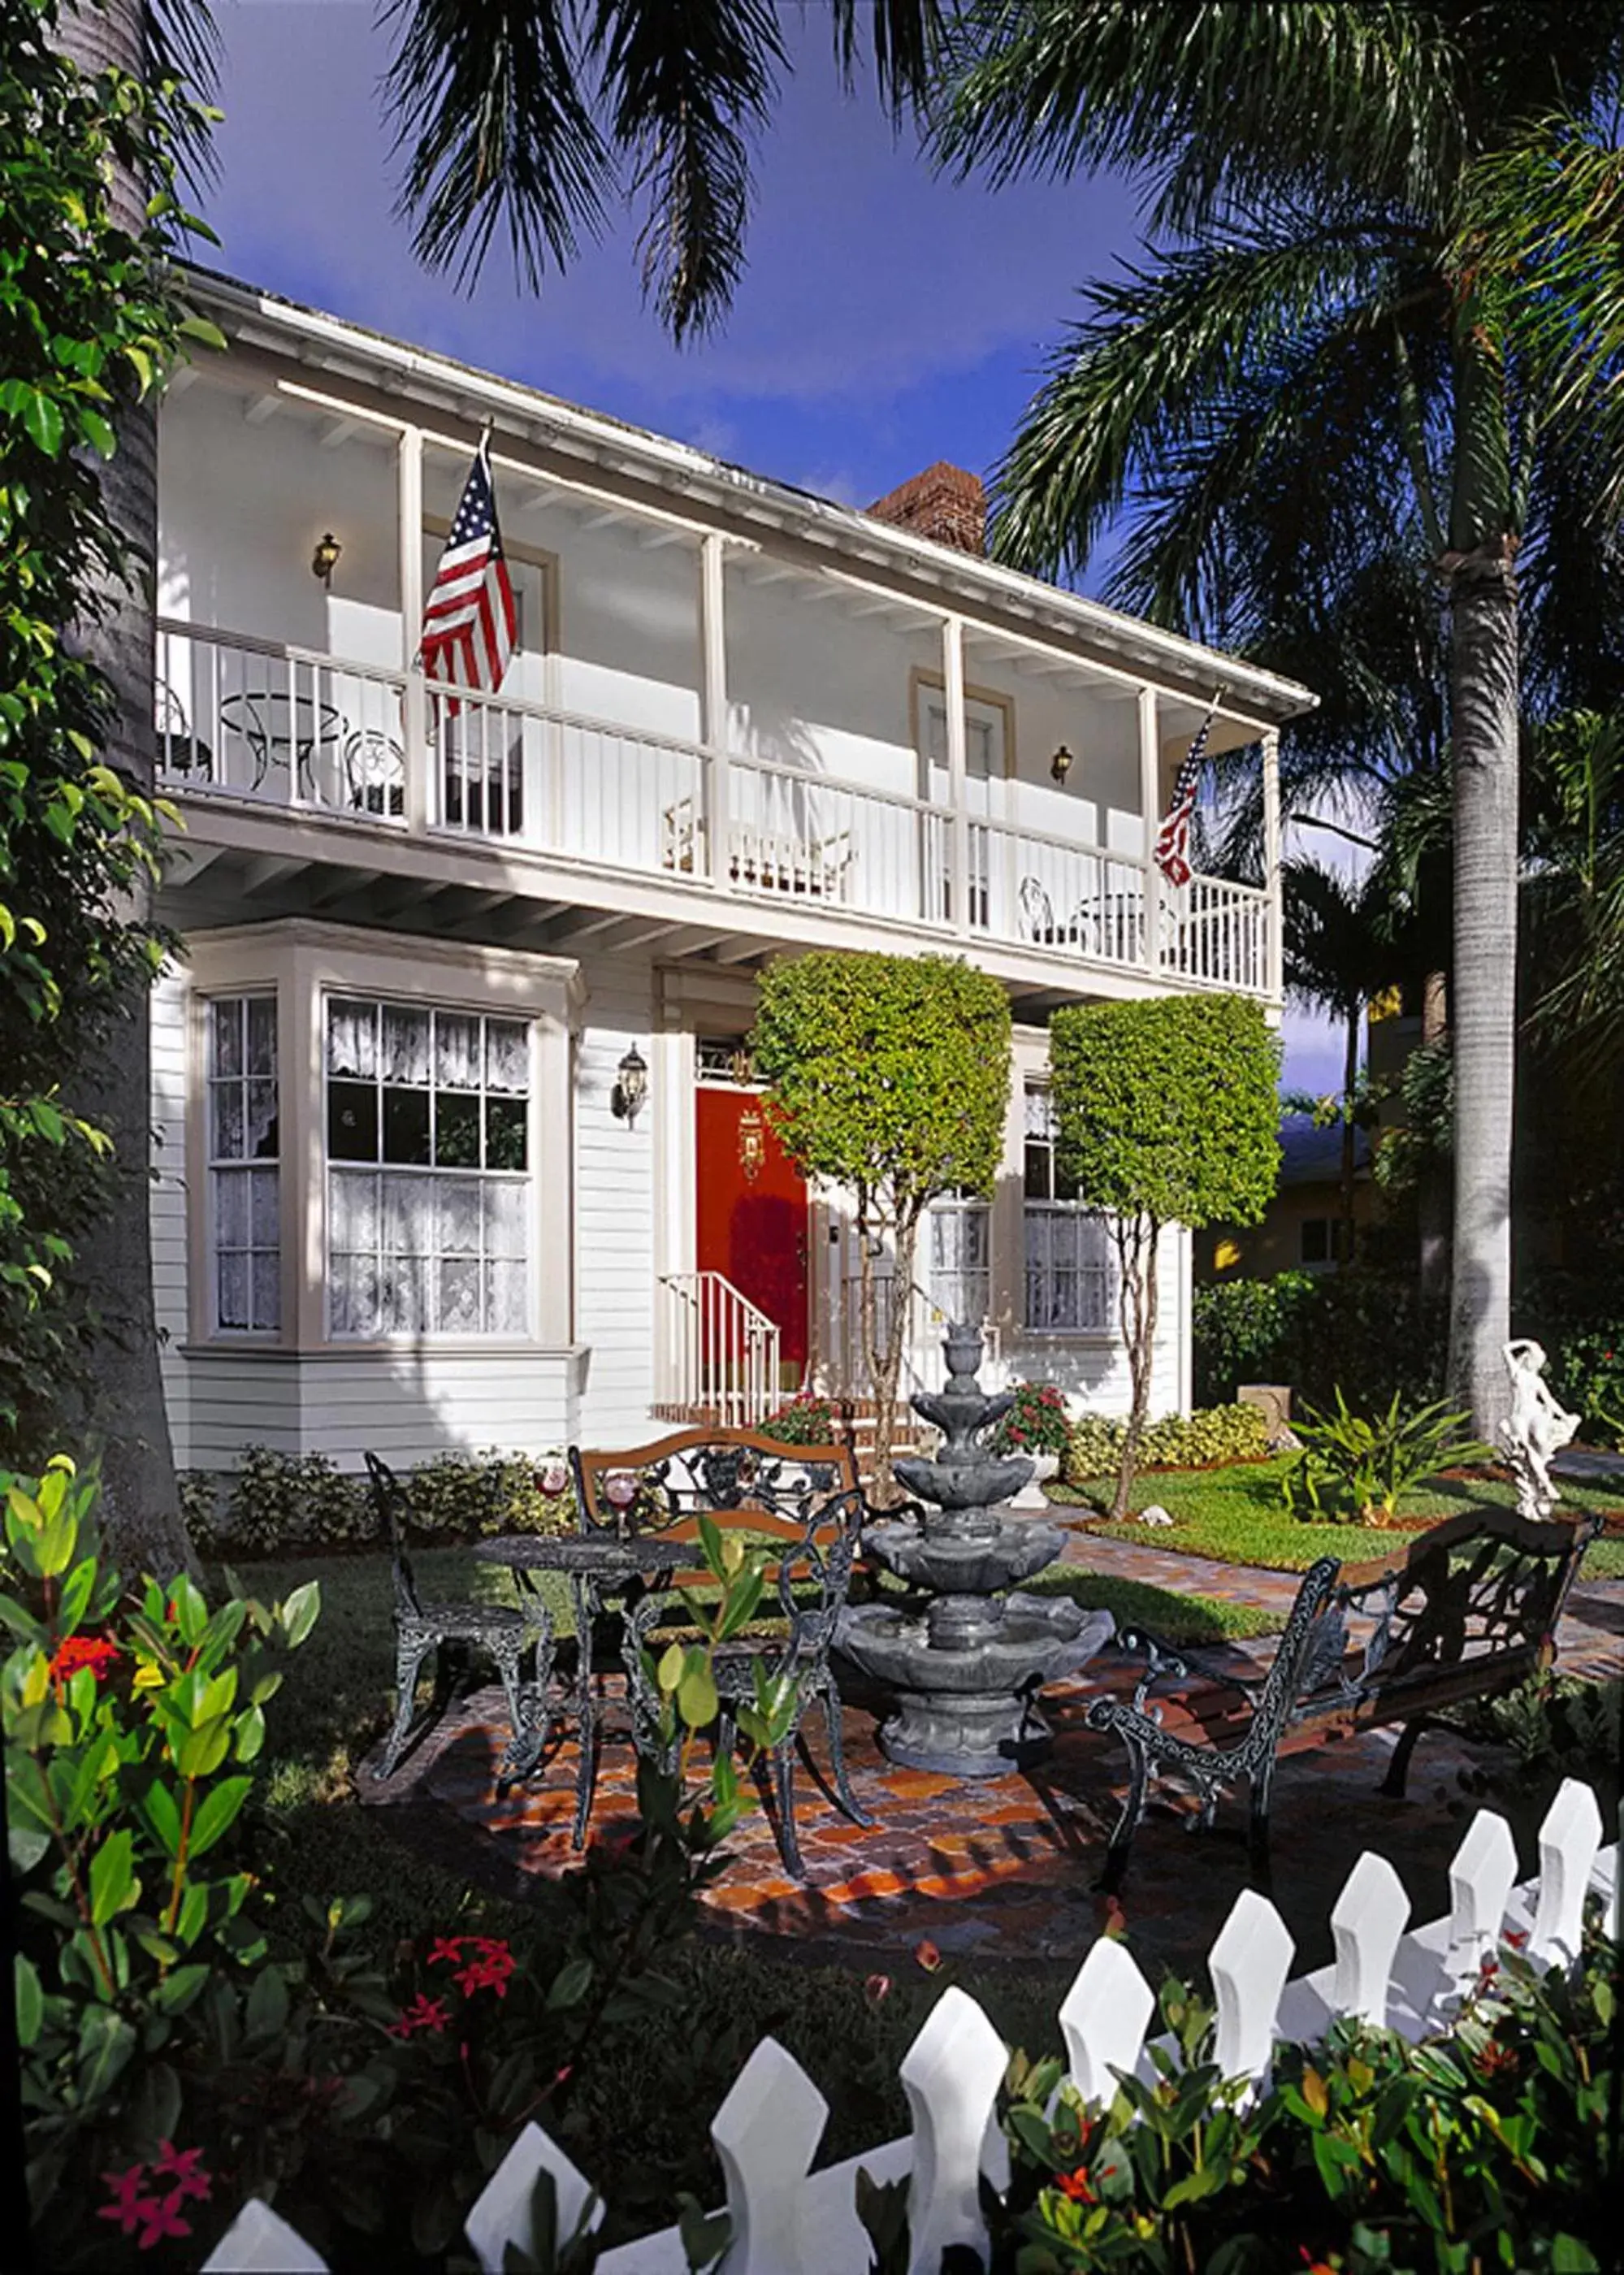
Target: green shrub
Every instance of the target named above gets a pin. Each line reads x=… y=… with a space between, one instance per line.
x=1036 y=1424
x=280 y=1501
x=1589 y=1374
x=1360 y=1467
x=1366 y=1331
x=805 y=1421
x=1210 y=1436
x=199 y=1508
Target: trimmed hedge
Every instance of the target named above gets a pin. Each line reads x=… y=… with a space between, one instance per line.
x=1366 y=1333
x=277 y=1501
x=1203 y=1440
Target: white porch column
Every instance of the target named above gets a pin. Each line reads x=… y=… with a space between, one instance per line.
x=1271 y=853
x=713 y=704
x=953 y=703
x=414 y=706
x=1150 y=805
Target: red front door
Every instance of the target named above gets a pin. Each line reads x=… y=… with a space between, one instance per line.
x=751 y=1216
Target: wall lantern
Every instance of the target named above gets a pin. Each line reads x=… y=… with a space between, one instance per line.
x=324 y=560
x=630 y=1088
x=1060 y=765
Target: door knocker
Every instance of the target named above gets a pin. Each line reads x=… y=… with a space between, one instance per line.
x=752 y=1146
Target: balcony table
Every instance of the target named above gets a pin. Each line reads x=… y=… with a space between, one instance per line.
x=598 y=1568
x=271 y=722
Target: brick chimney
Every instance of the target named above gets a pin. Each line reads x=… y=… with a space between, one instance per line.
x=946 y=503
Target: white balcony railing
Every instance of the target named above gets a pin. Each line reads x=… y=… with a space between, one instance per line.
x=717 y=1356
x=248 y=719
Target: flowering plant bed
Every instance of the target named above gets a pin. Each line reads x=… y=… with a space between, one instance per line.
x=1036 y=1424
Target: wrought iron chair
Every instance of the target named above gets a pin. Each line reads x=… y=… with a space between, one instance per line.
x=1037 y=911
x=375 y=770
x=814 y=1573
x=421 y=1628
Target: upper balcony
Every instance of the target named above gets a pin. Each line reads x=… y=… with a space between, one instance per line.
x=716 y=732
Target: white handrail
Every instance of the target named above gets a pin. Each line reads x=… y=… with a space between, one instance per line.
x=718 y=1353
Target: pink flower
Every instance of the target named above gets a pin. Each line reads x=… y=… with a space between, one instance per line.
x=163 y=2219
x=877 y=1988
x=129 y=2207
x=184 y=2167
x=424 y=2014
x=621 y=1490
x=551 y=1477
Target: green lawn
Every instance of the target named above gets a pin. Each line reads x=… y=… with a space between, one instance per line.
x=1234 y=1515
x=1174 y=1619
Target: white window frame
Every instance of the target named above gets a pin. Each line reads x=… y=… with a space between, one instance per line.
x=245 y=1169
x=1055 y=1214
x=301 y=961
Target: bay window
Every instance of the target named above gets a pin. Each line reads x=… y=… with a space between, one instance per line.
x=1070 y=1278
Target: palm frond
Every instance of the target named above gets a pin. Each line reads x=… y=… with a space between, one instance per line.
x=488 y=103
x=1128 y=382
x=906 y=36
x=1216 y=105
x=183 y=44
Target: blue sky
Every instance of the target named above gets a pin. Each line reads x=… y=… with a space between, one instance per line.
x=888 y=317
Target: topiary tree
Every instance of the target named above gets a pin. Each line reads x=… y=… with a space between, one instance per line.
x=1165 y=1113
x=890 y=1075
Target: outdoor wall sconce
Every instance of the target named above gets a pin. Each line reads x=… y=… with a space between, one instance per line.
x=630 y=1088
x=1060 y=765
x=324 y=560
x=751 y=1145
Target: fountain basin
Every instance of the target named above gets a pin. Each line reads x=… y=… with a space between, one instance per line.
x=969 y=1563
x=969 y=1709
x=954 y=1485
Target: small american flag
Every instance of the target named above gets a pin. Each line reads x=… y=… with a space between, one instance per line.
x=1172 y=850
x=469 y=619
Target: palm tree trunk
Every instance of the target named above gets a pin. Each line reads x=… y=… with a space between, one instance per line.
x=128 y=1422
x=1484 y=699
x=1432 y=1191
x=1350 y=1076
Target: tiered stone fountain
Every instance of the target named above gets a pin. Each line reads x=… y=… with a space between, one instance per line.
x=966 y=1666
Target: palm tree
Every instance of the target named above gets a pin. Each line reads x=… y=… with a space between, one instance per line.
x=1307 y=339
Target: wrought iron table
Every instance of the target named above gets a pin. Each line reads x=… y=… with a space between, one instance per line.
x=598 y=1567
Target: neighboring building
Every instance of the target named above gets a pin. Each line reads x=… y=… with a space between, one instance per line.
x=1302 y=1229
x=409 y=1195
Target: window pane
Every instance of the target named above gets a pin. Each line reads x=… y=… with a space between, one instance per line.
x=352 y=1282
x=1039 y=1118
x=508 y=1313
x=405 y=1126
x=352 y=1040
x=232 y=1274
x=507 y=1055
x=231 y=1209
x=457 y=1050
x=351 y=1121
x=403 y=1308
x=405 y=1045
x=507 y=1129
x=1038 y=1184
x=225 y=1025
x=226 y=1121
x=266 y=1287
x=407 y=1216
x=459 y=1296
x=354 y=1204
x=261 y=1034
x=456 y=1131
x=459 y=1216
x=262 y=1227
x=507 y=1215
x=260 y=1138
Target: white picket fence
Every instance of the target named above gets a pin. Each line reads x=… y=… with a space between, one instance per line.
x=787 y=2219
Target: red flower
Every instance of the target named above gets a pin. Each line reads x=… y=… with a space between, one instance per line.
x=1077 y=2186
x=489 y=1971
x=185 y=2167
x=93 y=1652
x=163 y=2219
x=1314 y=2266
x=424 y=2014
x=1516 y=1937
x=129 y=2207
x=927 y=1955
x=448 y=1948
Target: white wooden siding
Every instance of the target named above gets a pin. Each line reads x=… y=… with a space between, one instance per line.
x=167 y=1203
x=615 y=1208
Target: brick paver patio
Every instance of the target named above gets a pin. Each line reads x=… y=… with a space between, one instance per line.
x=1003 y=1871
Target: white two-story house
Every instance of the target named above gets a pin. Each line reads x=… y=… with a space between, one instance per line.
x=460 y=1145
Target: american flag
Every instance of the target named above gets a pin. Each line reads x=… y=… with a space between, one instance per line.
x=469 y=618
x=1172 y=851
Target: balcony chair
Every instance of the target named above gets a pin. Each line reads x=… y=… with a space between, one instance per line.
x=375 y=773
x=421 y=1628
x=180 y=752
x=1036 y=912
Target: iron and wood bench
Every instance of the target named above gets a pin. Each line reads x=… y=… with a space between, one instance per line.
x=1465 y=1614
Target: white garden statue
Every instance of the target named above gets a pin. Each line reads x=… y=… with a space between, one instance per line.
x=1535 y=1431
